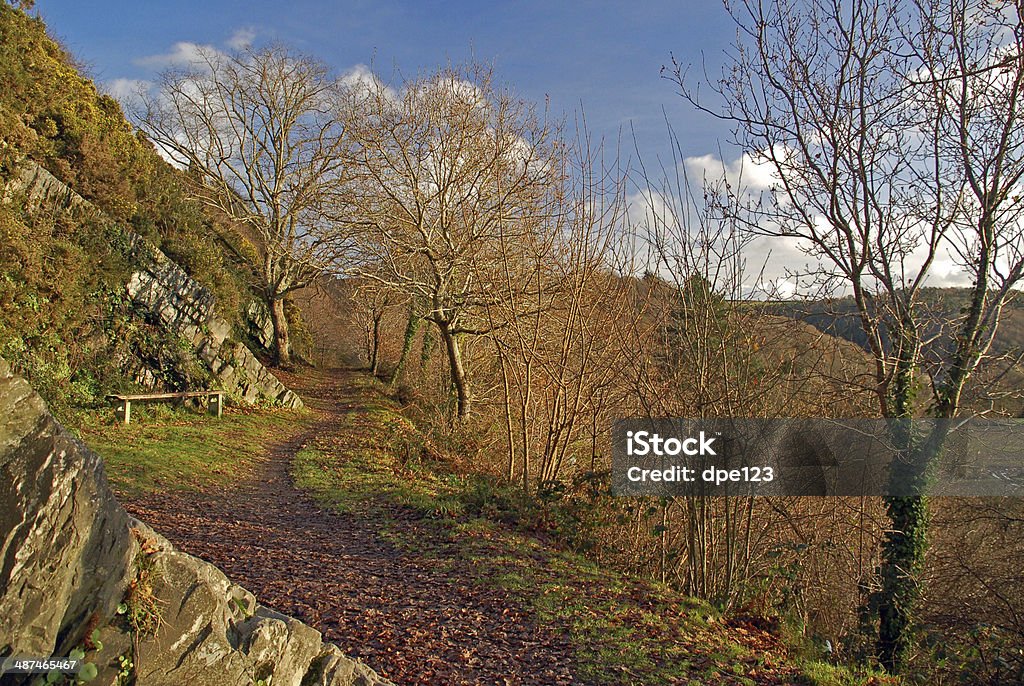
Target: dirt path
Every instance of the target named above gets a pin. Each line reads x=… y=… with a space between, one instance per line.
x=391 y=608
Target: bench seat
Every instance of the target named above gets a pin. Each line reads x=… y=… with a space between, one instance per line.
x=123 y=409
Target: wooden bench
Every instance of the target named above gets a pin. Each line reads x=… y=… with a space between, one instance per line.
x=215 y=401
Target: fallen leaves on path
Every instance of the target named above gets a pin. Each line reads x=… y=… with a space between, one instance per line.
x=428 y=613
x=412 y=620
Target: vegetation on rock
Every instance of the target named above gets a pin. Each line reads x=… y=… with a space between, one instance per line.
x=65 y=320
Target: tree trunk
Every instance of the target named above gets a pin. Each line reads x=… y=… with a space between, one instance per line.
x=282 y=346
x=902 y=555
x=426 y=350
x=457 y=370
x=411 y=327
x=375 y=344
x=904 y=545
x=507 y=397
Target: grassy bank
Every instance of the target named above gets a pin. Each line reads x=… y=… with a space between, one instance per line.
x=168 y=449
x=623 y=630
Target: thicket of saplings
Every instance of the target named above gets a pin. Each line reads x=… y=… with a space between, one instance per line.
x=802 y=567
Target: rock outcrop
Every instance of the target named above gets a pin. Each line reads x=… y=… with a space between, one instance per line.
x=163 y=292
x=43 y=190
x=167 y=294
x=76 y=571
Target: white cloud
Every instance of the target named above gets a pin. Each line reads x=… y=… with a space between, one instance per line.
x=652 y=209
x=360 y=75
x=242 y=38
x=749 y=173
x=784 y=267
x=945 y=272
x=777 y=267
x=126 y=91
x=182 y=54
x=788 y=269
x=189 y=54
x=779 y=288
x=459 y=91
x=361 y=78
x=169 y=157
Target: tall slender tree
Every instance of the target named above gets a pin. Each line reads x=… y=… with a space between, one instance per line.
x=894 y=135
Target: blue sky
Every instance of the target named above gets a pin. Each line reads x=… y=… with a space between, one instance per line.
x=603 y=55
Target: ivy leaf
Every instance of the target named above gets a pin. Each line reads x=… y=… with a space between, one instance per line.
x=88 y=672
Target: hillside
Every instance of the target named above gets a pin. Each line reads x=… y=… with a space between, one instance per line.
x=999 y=379
x=69 y=246
x=838 y=317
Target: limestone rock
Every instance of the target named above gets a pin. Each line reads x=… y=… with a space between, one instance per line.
x=163 y=290
x=64 y=545
x=69 y=552
x=165 y=293
x=43 y=189
x=261 y=328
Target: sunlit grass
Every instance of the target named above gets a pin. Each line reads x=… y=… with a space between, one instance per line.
x=167 y=449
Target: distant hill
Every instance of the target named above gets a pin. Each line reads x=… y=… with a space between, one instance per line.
x=999 y=381
x=782 y=367
x=838 y=317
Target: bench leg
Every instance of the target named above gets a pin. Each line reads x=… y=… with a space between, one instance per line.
x=217 y=404
x=124 y=411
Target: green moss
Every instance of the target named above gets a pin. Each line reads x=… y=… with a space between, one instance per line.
x=815 y=673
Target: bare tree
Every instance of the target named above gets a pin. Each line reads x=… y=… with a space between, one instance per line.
x=447 y=169
x=554 y=324
x=258 y=132
x=373 y=303
x=894 y=135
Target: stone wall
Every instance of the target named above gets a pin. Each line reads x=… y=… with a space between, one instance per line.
x=164 y=293
x=68 y=553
